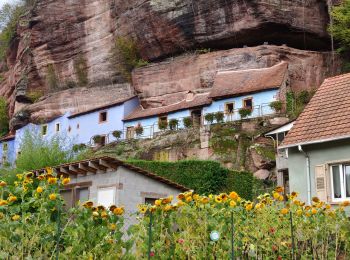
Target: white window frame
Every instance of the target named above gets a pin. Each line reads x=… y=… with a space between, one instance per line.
x=113 y=188
x=342 y=182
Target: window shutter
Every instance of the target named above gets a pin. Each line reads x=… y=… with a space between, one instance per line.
x=321 y=182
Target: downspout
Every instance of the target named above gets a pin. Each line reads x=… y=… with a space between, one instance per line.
x=308 y=175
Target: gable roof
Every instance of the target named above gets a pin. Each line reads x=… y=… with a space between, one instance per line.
x=198 y=101
x=113 y=104
x=234 y=83
x=101 y=164
x=326 y=117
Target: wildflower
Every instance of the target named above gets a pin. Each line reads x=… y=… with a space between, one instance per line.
x=315 y=199
x=218 y=199
x=181 y=196
x=112 y=227
x=233 y=203
x=345 y=203
x=180 y=241
x=167 y=200
x=3 y=202
x=281 y=198
x=12 y=198
x=3 y=184
x=223 y=196
x=284 y=211
x=314 y=211
x=275 y=195
x=15 y=217
x=205 y=200
x=49 y=170
x=299 y=212
x=258 y=206
x=41 y=177
x=52 y=196
x=29 y=175
x=279 y=189
x=151 y=254
x=189 y=199
x=118 y=211
x=249 y=206
x=158 y=202
x=19 y=176
x=52 y=180
x=104 y=214
x=65 y=181
x=101 y=208
x=95 y=214
x=167 y=208
x=327 y=206
x=233 y=195
x=293 y=195
x=39 y=189
x=143 y=209
x=88 y=204
x=112 y=208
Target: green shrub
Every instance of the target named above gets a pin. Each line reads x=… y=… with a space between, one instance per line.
x=139 y=130
x=173 y=124
x=126 y=56
x=244 y=183
x=78 y=147
x=34 y=96
x=219 y=117
x=162 y=124
x=81 y=70
x=209 y=118
x=117 y=134
x=4 y=119
x=38 y=152
x=97 y=139
x=188 y=122
x=245 y=112
x=204 y=177
x=341 y=24
x=276 y=105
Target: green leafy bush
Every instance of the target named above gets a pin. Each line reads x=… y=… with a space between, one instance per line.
x=244 y=112
x=209 y=117
x=341 y=24
x=162 y=124
x=188 y=122
x=126 y=56
x=139 y=130
x=37 y=152
x=202 y=176
x=276 y=105
x=97 y=139
x=173 y=124
x=117 y=134
x=78 y=147
x=4 y=119
x=219 y=117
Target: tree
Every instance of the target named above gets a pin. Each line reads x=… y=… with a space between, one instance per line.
x=4 y=120
x=341 y=24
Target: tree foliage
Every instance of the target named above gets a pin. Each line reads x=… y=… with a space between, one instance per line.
x=4 y=119
x=341 y=24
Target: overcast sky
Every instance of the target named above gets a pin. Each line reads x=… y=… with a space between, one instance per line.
x=2 y=2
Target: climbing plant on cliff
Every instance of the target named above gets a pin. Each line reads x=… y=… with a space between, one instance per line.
x=9 y=17
x=4 y=120
x=126 y=57
x=80 y=67
x=340 y=28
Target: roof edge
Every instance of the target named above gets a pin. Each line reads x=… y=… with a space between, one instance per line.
x=315 y=141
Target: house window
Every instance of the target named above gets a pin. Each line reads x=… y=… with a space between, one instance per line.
x=82 y=194
x=150 y=201
x=69 y=129
x=5 y=146
x=248 y=103
x=74 y=195
x=67 y=196
x=44 y=130
x=130 y=132
x=163 y=120
x=57 y=127
x=103 y=117
x=340 y=180
x=78 y=126
x=229 y=108
x=106 y=196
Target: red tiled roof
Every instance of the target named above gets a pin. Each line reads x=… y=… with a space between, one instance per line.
x=115 y=103
x=326 y=117
x=198 y=101
x=83 y=167
x=8 y=137
x=233 y=83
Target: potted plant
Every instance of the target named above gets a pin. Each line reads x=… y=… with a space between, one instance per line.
x=97 y=139
x=173 y=124
x=245 y=112
x=209 y=118
x=188 y=122
x=117 y=134
x=78 y=147
x=162 y=124
x=139 y=130
x=276 y=105
x=219 y=117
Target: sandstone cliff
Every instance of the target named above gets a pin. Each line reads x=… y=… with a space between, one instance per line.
x=54 y=34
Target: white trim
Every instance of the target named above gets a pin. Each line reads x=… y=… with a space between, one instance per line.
x=342 y=183
x=316 y=141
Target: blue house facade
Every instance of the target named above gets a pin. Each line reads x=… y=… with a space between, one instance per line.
x=7 y=150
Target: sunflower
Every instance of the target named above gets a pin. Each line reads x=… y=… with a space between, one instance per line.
x=12 y=198
x=233 y=203
x=345 y=203
x=313 y=211
x=152 y=208
x=41 y=177
x=284 y=211
x=224 y=196
x=316 y=199
x=3 y=202
x=52 y=180
x=181 y=196
x=327 y=206
x=88 y=204
x=104 y=214
x=293 y=195
x=233 y=195
x=95 y=214
x=249 y=206
x=49 y=170
x=275 y=195
x=205 y=200
x=218 y=199
x=101 y=208
x=279 y=189
x=168 y=208
x=39 y=189
x=65 y=181
x=3 y=184
x=29 y=175
x=189 y=199
x=15 y=217
x=112 y=227
x=112 y=208
x=259 y=206
x=118 y=211
x=299 y=212
x=143 y=209
x=52 y=196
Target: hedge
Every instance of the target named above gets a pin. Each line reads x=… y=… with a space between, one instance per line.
x=204 y=177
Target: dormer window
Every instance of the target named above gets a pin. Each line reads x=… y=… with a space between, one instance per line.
x=44 y=130
x=103 y=117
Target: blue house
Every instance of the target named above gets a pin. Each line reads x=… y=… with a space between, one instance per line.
x=253 y=89
x=7 y=150
x=150 y=118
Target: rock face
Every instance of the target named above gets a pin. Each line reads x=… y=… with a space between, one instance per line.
x=56 y=34
x=167 y=82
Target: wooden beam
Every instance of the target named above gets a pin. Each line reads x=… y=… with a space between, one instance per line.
x=108 y=164
x=76 y=170
x=63 y=170
x=85 y=167
x=97 y=166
